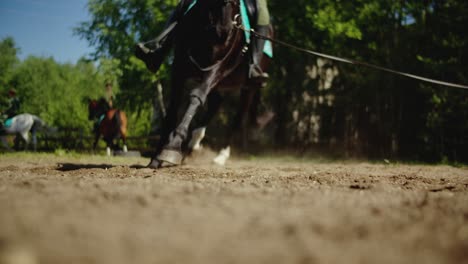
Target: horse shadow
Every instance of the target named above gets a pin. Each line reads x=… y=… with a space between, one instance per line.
x=74 y=167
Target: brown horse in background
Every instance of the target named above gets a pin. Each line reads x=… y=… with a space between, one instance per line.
x=109 y=122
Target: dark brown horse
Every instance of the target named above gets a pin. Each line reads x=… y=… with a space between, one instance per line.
x=110 y=123
x=209 y=51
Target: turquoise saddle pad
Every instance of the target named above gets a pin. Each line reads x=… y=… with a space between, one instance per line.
x=8 y=122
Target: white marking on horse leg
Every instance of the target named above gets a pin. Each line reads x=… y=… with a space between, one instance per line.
x=125 y=148
x=197 y=136
x=25 y=136
x=108 y=151
x=223 y=156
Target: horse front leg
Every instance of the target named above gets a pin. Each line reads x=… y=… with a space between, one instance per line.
x=170 y=119
x=172 y=152
x=124 y=141
x=123 y=131
x=96 y=139
x=109 y=146
x=22 y=137
x=214 y=101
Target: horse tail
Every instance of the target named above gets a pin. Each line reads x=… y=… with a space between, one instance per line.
x=38 y=123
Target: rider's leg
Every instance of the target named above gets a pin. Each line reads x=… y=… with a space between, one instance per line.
x=2 y=124
x=262 y=28
x=153 y=58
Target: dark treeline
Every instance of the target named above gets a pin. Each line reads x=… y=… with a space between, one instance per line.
x=363 y=112
x=348 y=110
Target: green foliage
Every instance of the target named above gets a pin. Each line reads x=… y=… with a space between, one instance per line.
x=373 y=113
x=56 y=92
x=8 y=61
x=111 y=71
x=114 y=28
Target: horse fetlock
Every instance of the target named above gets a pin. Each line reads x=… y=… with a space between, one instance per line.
x=180 y=132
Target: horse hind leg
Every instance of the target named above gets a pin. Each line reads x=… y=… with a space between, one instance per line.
x=125 y=149
x=223 y=156
x=121 y=119
x=239 y=123
x=22 y=137
x=197 y=136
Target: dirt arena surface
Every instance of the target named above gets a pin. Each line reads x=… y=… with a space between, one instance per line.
x=94 y=209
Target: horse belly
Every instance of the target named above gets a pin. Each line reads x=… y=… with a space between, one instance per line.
x=234 y=81
x=20 y=124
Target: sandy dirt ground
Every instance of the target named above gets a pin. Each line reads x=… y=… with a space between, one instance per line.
x=94 y=209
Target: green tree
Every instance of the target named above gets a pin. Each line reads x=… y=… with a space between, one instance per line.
x=114 y=28
x=8 y=60
x=45 y=86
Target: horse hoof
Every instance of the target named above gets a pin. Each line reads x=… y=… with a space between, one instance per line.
x=170 y=156
x=151 y=58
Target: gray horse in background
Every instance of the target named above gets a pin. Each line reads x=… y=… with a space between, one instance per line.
x=21 y=125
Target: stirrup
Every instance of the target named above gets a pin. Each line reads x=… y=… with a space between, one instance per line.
x=143 y=48
x=255 y=73
x=152 y=58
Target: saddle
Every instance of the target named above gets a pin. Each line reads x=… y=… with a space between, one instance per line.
x=250 y=5
x=249 y=10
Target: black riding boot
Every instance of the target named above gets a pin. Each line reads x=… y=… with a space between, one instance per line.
x=3 y=119
x=255 y=72
x=153 y=58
